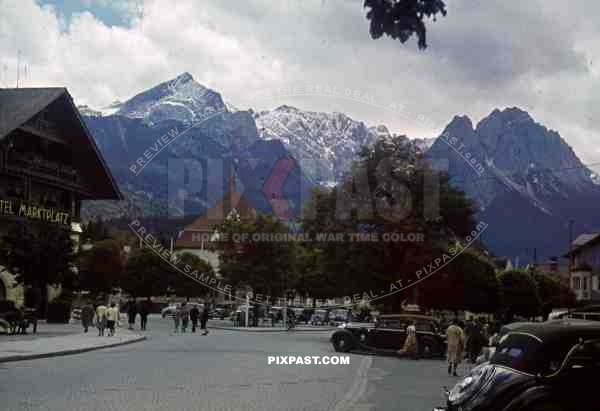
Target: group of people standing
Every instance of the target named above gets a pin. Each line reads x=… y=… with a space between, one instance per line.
x=476 y=335
x=102 y=316
x=186 y=313
x=142 y=308
x=471 y=340
x=107 y=317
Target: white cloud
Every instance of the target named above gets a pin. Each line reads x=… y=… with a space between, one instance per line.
x=541 y=56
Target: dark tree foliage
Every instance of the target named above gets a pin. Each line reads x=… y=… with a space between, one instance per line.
x=266 y=266
x=393 y=199
x=146 y=274
x=95 y=230
x=101 y=267
x=468 y=282
x=400 y=19
x=519 y=294
x=39 y=254
x=182 y=285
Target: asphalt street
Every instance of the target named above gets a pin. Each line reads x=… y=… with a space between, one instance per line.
x=226 y=370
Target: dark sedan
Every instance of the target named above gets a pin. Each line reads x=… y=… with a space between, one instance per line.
x=552 y=366
x=388 y=335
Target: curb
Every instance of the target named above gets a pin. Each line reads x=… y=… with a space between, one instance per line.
x=274 y=330
x=24 y=357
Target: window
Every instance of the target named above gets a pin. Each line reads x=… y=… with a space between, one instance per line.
x=576 y=283
x=585 y=284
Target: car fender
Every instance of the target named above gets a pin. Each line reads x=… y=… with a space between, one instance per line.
x=528 y=397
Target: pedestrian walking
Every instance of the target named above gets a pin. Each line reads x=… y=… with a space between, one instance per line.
x=184 y=317
x=112 y=316
x=194 y=315
x=144 y=312
x=101 y=319
x=204 y=319
x=476 y=341
x=131 y=313
x=87 y=316
x=410 y=347
x=176 y=317
x=456 y=341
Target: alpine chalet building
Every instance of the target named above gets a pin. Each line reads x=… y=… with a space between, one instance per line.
x=49 y=164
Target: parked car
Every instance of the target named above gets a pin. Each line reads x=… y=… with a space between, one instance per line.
x=388 y=335
x=339 y=316
x=550 y=366
x=319 y=317
x=219 y=313
x=489 y=350
x=169 y=310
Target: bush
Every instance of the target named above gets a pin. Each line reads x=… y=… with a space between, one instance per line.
x=59 y=310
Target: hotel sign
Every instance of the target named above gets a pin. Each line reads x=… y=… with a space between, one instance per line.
x=16 y=208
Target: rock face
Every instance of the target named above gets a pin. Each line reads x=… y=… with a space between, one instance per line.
x=332 y=139
x=203 y=131
x=529 y=183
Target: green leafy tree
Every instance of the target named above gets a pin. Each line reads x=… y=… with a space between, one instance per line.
x=519 y=294
x=95 y=230
x=388 y=194
x=549 y=291
x=146 y=274
x=400 y=19
x=468 y=282
x=39 y=255
x=266 y=266
x=184 y=286
x=101 y=267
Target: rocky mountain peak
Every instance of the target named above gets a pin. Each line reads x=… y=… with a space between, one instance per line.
x=181 y=98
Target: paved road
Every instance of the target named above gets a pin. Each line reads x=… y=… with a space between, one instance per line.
x=226 y=370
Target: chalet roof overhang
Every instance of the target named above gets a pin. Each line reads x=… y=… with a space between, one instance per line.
x=18 y=106
x=582 y=242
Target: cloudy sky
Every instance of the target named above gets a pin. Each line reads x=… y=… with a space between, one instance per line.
x=539 y=55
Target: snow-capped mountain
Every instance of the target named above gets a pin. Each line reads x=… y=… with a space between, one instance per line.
x=333 y=138
x=181 y=98
x=525 y=179
x=181 y=109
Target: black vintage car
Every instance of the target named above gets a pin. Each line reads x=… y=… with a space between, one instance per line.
x=387 y=335
x=551 y=366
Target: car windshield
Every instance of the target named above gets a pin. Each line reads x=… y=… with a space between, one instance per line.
x=524 y=352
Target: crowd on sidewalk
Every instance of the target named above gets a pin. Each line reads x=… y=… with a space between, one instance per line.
x=106 y=318
x=185 y=313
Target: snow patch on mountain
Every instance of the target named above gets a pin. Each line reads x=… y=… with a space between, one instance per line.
x=179 y=99
x=326 y=143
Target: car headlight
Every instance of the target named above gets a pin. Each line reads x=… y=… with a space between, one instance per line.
x=342 y=325
x=470 y=384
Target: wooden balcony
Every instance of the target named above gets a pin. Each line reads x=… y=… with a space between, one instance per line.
x=43 y=170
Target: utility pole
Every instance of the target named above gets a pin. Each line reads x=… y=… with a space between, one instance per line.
x=571 y=222
x=18 y=66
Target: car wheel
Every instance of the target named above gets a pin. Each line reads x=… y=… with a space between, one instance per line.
x=342 y=342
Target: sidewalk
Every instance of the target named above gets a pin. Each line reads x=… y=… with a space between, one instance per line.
x=28 y=349
x=228 y=325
